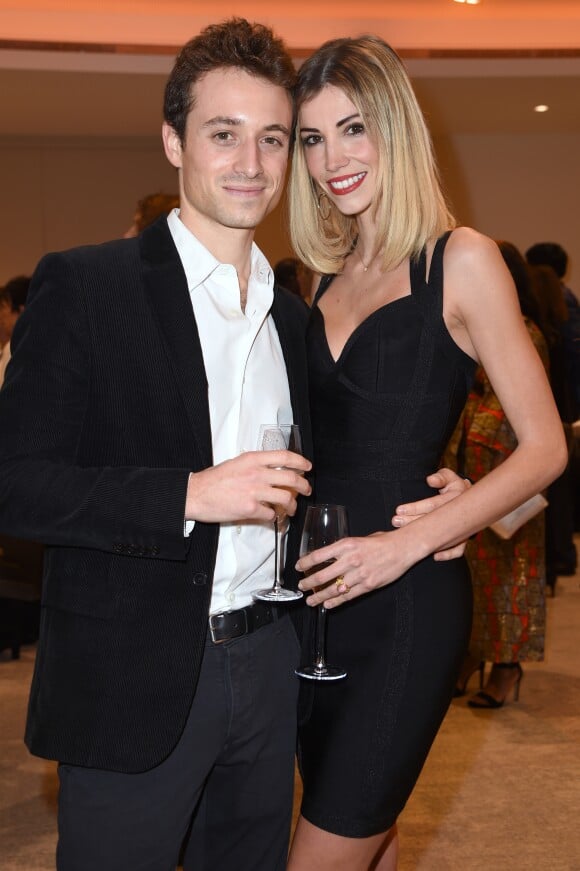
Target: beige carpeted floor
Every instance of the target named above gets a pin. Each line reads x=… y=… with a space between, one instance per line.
x=500 y=791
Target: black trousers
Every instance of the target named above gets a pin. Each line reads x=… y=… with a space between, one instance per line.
x=227 y=786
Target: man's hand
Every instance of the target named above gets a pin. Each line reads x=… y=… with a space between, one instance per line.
x=247 y=487
x=449 y=485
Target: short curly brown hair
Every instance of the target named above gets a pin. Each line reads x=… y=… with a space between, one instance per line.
x=234 y=43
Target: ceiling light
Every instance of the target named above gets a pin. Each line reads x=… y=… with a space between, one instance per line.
x=541 y=108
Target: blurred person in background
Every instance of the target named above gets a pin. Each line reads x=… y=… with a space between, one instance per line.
x=294 y=276
x=149 y=209
x=552 y=254
x=561 y=557
x=12 y=302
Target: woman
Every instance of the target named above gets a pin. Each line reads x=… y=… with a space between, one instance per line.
x=508 y=575
x=392 y=358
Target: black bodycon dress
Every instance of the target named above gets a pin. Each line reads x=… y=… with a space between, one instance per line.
x=382 y=415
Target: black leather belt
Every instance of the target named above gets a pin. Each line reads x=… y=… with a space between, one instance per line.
x=233 y=624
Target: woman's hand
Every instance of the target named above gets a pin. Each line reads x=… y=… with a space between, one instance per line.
x=357 y=566
x=450 y=485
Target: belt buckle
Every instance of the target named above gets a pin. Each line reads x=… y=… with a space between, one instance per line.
x=240 y=629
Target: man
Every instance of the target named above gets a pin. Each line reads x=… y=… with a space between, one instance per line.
x=137 y=363
x=142 y=370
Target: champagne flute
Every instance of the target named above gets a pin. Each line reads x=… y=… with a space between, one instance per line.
x=279 y=437
x=324 y=524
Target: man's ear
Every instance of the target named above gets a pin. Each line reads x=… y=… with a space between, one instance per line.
x=171 y=144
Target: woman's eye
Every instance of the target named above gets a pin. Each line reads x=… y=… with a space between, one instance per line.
x=311 y=139
x=355 y=129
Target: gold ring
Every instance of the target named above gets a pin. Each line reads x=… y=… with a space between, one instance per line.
x=340 y=582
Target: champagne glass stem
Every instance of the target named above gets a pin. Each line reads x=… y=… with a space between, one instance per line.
x=277 y=437
x=277 y=556
x=319 y=659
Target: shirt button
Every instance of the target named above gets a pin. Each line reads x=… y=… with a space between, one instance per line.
x=239 y=530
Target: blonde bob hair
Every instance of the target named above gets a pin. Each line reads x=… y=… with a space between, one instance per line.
x=409 y=207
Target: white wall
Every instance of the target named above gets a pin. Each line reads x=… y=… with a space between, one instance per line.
x=61 y=193
x=523 y=188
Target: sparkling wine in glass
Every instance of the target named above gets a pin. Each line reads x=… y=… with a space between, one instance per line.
x=324 y=524
x=279 y=437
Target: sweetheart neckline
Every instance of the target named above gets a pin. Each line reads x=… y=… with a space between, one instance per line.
x=351 y=338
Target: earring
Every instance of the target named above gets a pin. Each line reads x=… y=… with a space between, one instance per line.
x=319 y=205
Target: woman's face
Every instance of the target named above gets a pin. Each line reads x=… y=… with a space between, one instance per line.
x=339 y=153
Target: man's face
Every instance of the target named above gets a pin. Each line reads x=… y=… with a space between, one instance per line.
x=233 y=161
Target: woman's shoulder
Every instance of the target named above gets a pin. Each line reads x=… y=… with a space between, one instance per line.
x=467 y=244
x=473 y=263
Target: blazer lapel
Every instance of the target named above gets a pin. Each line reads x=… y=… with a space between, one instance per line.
x=291 y=329
x=166 y=290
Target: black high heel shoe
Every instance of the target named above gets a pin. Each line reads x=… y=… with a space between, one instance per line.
x=470 y=666
x=485 y=700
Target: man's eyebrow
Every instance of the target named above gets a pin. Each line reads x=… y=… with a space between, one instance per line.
x=228 y=121
x=281 y=128
x=220 y=120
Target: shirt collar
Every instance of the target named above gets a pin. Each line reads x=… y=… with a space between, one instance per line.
x=199 y=263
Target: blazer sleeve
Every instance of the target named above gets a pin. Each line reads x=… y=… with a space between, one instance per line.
x=45 y=494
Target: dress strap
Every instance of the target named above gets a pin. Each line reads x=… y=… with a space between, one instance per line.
x=322 y=288
x=436 y=267
x=419 y=265
x=418 y=271
x=429 y=297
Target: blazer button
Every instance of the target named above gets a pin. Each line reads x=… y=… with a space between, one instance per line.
x=199 y=579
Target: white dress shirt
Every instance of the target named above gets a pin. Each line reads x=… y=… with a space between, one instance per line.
x=248 y=386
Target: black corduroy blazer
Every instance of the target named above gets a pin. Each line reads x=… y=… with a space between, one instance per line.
x=104 y=413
